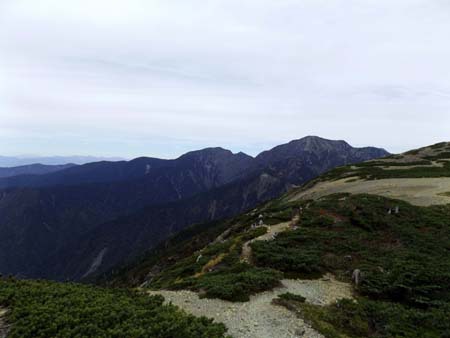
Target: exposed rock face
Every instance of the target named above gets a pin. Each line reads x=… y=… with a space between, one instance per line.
x=56 y=225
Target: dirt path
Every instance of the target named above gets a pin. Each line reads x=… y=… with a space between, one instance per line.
x=272 y=231
x=3 y=327
x=418 y=191
x=259 y=318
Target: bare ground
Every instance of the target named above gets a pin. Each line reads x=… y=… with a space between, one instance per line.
x=259 y=318
x=417 y=191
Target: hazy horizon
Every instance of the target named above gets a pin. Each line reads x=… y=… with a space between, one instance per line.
x=158 y=78
x=118 y=158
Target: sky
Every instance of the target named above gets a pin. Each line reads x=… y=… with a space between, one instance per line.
x=158 y=78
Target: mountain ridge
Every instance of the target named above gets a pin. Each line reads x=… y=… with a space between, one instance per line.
x=33 y=169
x=410 y=162
x=72 y=211
x=14 y=161
x=119 y=170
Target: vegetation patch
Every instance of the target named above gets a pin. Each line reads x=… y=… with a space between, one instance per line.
x=292 y=297
x=165 y=255
x=284 y=254
x=392 y=164
x=41 y=309
x=227 y=278
x=439 y=145
x=403 y=259
x=368 y=318
x=235 y=284
x=373 y=170
x=440 y=156
x=277 y=214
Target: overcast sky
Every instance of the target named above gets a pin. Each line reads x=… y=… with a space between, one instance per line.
x=159 y=78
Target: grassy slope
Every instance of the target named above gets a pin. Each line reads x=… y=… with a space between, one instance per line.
x=404 y=259
x=420 y=158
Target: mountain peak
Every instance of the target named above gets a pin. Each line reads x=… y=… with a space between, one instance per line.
x=214 y=153
x=315 y=143
x=318 y=145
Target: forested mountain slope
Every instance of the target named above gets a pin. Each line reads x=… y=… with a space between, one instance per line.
x=85 y=219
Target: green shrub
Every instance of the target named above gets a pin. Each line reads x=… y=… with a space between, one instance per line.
x=41 y=309
x=237 y=283
x=292 y=297
x=366 y=318
x=403 y=257
x=287 y=259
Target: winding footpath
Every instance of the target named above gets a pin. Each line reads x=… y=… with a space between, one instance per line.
x=272 y=232
x=259 y=318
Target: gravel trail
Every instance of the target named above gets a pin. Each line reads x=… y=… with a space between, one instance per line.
x=259 y=318
x=272 y=231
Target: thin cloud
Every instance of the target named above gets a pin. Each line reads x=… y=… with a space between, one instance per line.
x=160 y=78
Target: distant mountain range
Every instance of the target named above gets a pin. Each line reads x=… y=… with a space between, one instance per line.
x=83 y=220
x=32 y=169
x=15 y=161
